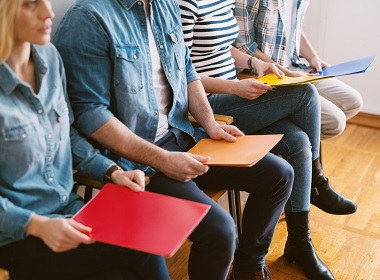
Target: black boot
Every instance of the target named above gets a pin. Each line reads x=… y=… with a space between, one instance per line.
x=299 y=248
x=323 y=195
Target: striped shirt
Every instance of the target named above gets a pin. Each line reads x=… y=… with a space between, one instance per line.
x=210 y=28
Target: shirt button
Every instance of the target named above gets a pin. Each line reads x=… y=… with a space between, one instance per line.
x=40 y=111
x=134 y=57
x=139 y=3
x=50 y=136
x=24 y=135
x=51 y=179
x=49 y=158
x=64 y=198
x=161 y=46
x=169 y=74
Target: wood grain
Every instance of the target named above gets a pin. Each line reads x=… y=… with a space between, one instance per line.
x=349 y=245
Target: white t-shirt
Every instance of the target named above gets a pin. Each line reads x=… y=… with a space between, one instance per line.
x=161 y=86
x=289 y=20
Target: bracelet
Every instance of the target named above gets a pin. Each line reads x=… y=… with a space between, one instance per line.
x=250 y=62
x=112 y=169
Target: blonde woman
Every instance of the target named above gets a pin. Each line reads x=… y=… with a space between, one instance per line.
x=38 y=239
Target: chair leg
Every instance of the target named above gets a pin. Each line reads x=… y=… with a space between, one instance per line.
x=238 y=213
x=234 y=204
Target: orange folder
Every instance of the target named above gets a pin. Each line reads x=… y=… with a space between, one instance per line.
x=245 y=151
x=143 y=221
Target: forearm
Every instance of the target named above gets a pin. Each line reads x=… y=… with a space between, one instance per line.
x=306 y=49
x=199 y=107
x=262 y=56
x=241 y=59
x=215 y=85
x=119 y=139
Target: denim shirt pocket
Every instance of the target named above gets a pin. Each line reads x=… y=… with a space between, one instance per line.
x=62 y=121
x=128 y=69
x=176 y=35
x=18 y=144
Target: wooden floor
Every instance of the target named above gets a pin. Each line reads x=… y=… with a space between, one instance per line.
x=349 y=245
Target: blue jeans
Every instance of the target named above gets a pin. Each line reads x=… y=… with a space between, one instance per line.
x=293 y=111
x=269 y=185
x=32 y=259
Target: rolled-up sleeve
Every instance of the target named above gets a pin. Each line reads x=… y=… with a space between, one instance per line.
x=88 y=84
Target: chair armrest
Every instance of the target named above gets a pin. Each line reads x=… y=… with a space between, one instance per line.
x=220 y=119
x=4 y=274
x=87 y=181
x=246 y=75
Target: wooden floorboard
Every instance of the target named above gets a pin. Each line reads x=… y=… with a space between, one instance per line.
x=349 y=245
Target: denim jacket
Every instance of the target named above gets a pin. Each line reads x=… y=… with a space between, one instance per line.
x=35 y=154
x=105 y=49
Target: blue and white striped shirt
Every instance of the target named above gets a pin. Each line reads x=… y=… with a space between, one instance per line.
x=210 y=28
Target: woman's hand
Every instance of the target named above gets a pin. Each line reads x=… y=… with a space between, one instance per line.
x=263 y=68
x=59 y=234
x=249 y=88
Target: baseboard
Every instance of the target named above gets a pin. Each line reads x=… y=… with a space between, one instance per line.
x=365 y=119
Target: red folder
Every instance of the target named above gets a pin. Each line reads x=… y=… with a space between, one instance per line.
x=143 y=221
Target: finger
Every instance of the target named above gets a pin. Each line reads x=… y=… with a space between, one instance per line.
x=79 y=233
x=201 y=159
x=228 y=137
x=138 y=183
x=80 y=227
x=135 y=187
x=233 y=130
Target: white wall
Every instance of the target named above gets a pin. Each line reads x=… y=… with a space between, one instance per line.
x=342 y=30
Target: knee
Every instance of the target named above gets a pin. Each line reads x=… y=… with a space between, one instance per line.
x=218 y=229
x=334 y=125
x=284 y=174
x=294 y=146
x=354 y=107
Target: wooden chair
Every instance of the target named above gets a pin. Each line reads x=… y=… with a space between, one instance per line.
x=4 y=274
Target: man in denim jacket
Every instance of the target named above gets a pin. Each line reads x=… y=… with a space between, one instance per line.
x=131 y=84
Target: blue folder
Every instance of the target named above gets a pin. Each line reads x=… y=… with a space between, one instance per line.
x=347 y=68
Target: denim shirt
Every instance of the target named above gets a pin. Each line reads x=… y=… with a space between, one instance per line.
x=35 y=155
x=105 y=49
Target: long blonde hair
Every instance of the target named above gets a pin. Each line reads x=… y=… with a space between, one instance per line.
x=8 y=10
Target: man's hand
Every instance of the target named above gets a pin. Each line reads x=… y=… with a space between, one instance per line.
x=59 y=234
x=183 y=166
x=226 y=132
x=135 y=179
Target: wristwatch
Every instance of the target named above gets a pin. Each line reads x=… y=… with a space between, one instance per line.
x=112 y=169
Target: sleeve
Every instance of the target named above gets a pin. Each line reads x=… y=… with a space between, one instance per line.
x=88 y=90
x=189 y=12
x=245 y=13
x=13 y=219
x=86 y=159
